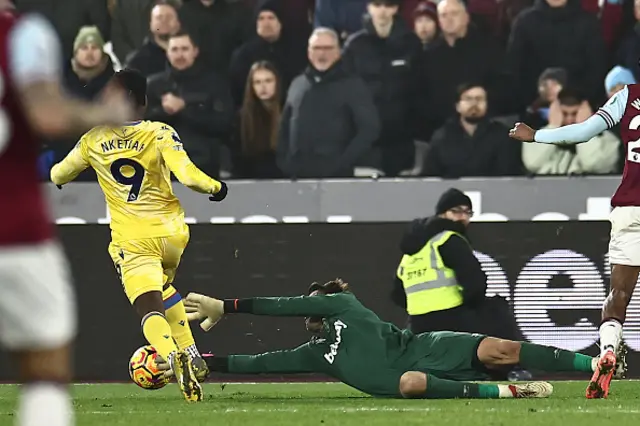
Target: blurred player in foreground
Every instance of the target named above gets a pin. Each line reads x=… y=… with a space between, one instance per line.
x=353 y=345
x=37 y=307
x=624 y=245
x=133 y=162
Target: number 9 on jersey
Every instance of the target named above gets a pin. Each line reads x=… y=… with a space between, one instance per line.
x=128 y=172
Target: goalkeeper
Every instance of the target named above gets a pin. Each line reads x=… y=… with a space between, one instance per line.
x=353 y=345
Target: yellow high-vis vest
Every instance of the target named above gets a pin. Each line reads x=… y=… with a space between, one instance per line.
x=430 y=285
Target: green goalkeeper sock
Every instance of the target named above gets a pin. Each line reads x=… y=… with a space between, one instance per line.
x=547 y=358
x=449 y=389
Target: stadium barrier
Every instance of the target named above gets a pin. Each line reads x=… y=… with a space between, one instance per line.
x=554 y=274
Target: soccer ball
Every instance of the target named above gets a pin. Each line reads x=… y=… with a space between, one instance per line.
x=143 y=369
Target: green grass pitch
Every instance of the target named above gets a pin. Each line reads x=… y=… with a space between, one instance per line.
x=334 y=404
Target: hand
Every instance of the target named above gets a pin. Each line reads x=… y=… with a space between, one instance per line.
x=201 y=307
x=522 y=132
x=172 y=104
x=164 y=367
x=221 y=194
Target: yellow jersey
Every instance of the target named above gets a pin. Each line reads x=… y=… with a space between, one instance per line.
x=133 y=163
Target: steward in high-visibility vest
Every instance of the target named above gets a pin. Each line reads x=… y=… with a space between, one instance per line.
x=439 y=276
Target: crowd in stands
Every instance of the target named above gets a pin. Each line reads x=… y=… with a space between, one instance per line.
x=264 y=89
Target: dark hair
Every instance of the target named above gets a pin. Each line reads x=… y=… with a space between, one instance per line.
x=135 y=83
x=182 y=33
x=464 y=87
x=570 y=96
x=331 y=287
x=175 y=4
x=256 y=120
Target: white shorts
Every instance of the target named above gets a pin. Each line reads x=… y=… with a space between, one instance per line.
x=624 y=245
x=37 y=301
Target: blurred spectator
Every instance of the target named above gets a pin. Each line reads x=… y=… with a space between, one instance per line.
x=461 y=54
x=130 y=25
x=329 y=121
x=270 y=46
x=597 y=156
x=425 y=22
x=84 y=77
x=385 y=55
x=470 y=144
x=629 y=50
x=343 y=16
x=550 y=83
x=151 y=58
x=296 y=17
x=219 y=27
x=616 y=79
x=196 y=102
x=256 y=134
x=557 y=33
x=68 y=17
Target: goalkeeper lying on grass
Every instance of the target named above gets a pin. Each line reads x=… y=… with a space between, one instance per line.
x=353 y=345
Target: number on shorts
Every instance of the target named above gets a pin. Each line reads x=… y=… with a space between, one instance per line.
x=5 y=124
x=632 y=155
x=134 y=181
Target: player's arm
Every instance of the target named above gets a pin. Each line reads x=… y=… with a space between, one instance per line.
x=605 y=118
x=302 y=359
x=71 y=166
x=210 y=310
x=172 y=151
x=35 y=69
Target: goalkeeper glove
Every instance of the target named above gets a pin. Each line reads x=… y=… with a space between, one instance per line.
x=207 y=309
x=220 y=195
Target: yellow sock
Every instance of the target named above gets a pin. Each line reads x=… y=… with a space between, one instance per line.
x=157 y=331
x=177 y=319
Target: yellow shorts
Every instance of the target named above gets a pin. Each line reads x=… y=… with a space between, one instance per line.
x=148 y=264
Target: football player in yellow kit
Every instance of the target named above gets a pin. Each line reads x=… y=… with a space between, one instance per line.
x=148 y=232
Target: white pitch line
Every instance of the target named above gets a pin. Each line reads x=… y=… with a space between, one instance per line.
x=578 y=410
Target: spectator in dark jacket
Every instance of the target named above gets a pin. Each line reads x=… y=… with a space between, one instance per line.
x=255 y=138
x=425 y=22
x=385 y=55
x=470 y=144
x=84 y=77
x=196 y=102
x=461 y=54
x=557 y=33
x=286 y=55
x=68 y=16
x=629 y=50
x=343 y=16
x=329 y=121
x=151 y=58
x=129 y=25
x=219 y=27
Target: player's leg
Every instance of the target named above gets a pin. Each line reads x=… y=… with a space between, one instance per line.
x=174 y=307
x=139 y=265
x=38 y=312
x=624 y=256
x=495 y=353
x=416 y=384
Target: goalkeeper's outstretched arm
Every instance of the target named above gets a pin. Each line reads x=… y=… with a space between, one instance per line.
x=292 y=361
x=209 y=310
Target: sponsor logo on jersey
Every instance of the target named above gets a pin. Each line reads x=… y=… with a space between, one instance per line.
x=333 y=348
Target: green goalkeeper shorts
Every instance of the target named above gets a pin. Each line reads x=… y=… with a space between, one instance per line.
x=450 y=355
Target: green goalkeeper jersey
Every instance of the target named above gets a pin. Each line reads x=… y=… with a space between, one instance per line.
x=355 y=346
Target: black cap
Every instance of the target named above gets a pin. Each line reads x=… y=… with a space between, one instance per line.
x=387 y=2
x=269 y=5
x=133 y=81
x=452 y=198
